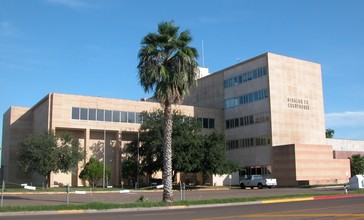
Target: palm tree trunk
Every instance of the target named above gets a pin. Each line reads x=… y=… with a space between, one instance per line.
x=167 y=155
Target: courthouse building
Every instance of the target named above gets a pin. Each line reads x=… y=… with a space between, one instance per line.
x=270 y=108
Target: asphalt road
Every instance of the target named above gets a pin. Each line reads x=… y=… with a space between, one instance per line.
x=343 y=208
x=38 y=198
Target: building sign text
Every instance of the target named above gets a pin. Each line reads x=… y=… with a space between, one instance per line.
x=298 y=103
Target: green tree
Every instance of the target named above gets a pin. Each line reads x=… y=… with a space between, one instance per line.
x=214 y=157
x=192 y=151
x=357 y=164
x=330 y=133
x=94 y=171
x=167 y=66
x=186 y=143
x=129 y=169
x=45 y=153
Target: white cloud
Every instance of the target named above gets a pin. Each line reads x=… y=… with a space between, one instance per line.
x=71 y=3
x=344 y=119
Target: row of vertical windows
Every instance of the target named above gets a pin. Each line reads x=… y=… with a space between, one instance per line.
x=246 y=98
x=247 y=120
x=93 y=114
x=248 y=142
x=207 y=122
x=262 y=71
x=256 y=170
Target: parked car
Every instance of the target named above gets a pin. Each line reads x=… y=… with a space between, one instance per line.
x=257 y=181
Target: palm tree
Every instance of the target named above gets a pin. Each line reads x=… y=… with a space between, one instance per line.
x=167 y=66
x=329 y=133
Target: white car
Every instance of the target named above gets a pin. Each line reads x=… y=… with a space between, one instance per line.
x=257 y=181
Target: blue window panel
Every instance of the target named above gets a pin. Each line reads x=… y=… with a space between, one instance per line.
x=92 y=114
x=75 y=113
x=84 y=114
x=100 y=114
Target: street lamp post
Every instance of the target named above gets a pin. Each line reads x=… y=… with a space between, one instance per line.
x=137 y=183
x=103 y=168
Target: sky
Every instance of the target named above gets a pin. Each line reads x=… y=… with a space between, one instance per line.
x=90 y=47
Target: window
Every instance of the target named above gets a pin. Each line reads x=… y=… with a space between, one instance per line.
x=211 y=123
x=199 y=121
x=100 y=114
x=84 y=114
x=75 y=113
x=107 y=115
x=131 y=117
x=205 y=123
x=124 y=117
x=138 y=118
x=116 y=116
x=92 y=114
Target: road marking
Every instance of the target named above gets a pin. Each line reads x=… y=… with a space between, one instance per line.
x=335 y=196
x=270 y=215
x=290 y=214
x=287 y=200
x=178 y=207
x=71 y=211
x=303 y=215
x=163 y=214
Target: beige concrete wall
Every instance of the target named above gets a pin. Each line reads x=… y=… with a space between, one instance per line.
x=256 y=155
x=346 y=154
x=209 y=92
x=41 y=115
x=245 y=88
x=251 y=156
x=316 y=163
x=18 y=123
x=92 y=137
x=284 y=167
x=293 y=81
x=308 y=164
x=5 y=140
x=346 y=144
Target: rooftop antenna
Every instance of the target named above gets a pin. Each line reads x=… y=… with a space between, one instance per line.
x=203 y=55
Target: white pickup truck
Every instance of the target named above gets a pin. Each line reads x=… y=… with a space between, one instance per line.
x=257 y=181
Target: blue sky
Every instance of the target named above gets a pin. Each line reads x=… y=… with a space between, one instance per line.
x=89 y=47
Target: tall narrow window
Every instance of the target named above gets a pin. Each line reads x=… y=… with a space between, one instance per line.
x=138 y=117
x=84 y=114
x=116 y=116
x=92 y=114
x=107 y=115
x=205 y=122
x=75 y=113
x=100 y=114
x=131 y=117
x=211 y=123
x=124 y=117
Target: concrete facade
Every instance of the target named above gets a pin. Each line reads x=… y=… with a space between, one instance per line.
x=270 y=107
x=55 y=112
x=344 y=148
x=274 y=116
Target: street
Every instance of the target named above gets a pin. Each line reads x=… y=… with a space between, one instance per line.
x=338 y=208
